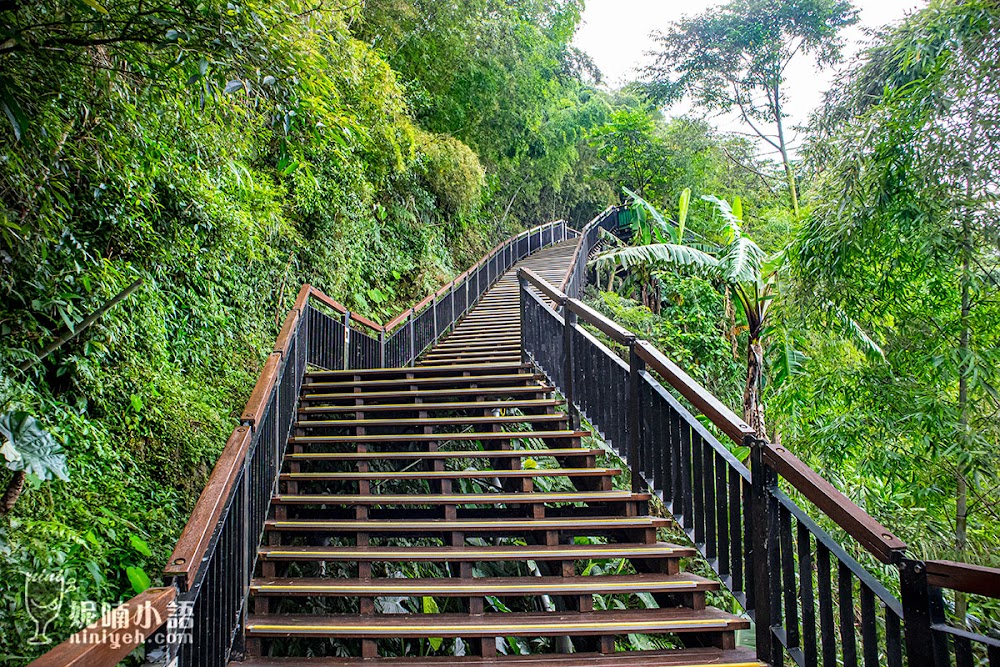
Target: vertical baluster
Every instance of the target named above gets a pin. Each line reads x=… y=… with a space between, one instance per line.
x=687 y=499
x=722 y=503
x=806 y=596
x=845 y=595
x=824 y=590
x=698 y=487
x=711 y=509
x=869 y=628
x=636 y=368
x=737 y=533
x=788 y=577
x=893 y=640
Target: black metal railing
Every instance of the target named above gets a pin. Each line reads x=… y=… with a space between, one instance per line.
x=811 y=601
x=341 y=339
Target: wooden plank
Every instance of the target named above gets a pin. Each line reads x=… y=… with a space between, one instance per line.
x=828 y=499
x=573 y=552
x=261 y=394
x=439 y=454
x=512 y=404
x=462 y=498
x=687 y=657
x=439 y=437
x=727 y=421
x=448 y=474
x=106 y=642
x=974 y=579
x=481 y=586
x=495 y=625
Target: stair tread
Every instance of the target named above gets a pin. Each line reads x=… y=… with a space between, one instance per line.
x=499 y=586
x=461 y=391
x=453 y=474
x=675 y=619
x=429 y=407
x=508 y=523
x=688 y=657
x=459 y=498
x=440 y=437
x=451 y=379
x=445 y=454
x=459 y=368
x=472 y=553
x=432 y=421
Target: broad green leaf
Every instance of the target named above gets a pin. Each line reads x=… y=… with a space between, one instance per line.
x=138 y=578
x=27 y=447
x=140 y=545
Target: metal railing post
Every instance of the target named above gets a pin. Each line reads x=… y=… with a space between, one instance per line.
x=522 y=293
x=347 y=340
x=917 y=615
x=764 y=536
x=434 y=307
x=634 y=417
x=381 y=349
x=413 y=338
x=452 y=304
x=569 y=363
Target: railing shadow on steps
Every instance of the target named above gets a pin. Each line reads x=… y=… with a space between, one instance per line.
x=197 y=620
x=801 y=588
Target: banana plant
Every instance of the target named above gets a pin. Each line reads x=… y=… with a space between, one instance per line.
x=739 y=266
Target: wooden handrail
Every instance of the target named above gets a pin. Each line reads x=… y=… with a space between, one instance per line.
x=974 y=579
x=194 y=540
x=541 y=285
x=856 y=522
x=710 y=406
x=87 y=649
x=254 y=409
x=872 y=535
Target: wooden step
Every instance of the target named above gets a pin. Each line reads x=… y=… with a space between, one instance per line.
x=649 y=621
x=689 y=657
x=431 y=421
x=458 y=369
x=447 y=454
x=424 y=381
x=440 y=437
x=481 y=587
x=447 y=360
x=524 y=404
x=461 y=498
x=430 y=393
x=475 y=554
x=448 y=474
x=494 y=526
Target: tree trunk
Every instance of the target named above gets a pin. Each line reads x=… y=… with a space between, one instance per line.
x=961 y=483
x=753 y=409
x=789 y=173
x=12 y=493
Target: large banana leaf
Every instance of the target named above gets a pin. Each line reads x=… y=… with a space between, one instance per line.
x=658 y=256
x=741 y=261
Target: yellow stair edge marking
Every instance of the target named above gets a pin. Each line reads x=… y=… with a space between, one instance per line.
x=477 y=589
x=443 y=554
x=501 y=629
x=446 y=524
x=464 y=499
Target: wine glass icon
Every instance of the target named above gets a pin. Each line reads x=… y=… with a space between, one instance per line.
x=43 y=597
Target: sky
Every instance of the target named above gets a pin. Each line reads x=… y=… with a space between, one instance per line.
x=617 y=35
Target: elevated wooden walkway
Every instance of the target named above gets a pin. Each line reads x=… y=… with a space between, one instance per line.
x=464 y=473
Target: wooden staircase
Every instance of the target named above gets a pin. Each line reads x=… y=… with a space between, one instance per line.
x=465 y=474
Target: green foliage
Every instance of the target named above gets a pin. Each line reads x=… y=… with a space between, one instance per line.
x=452 y=173
x=27 y=447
